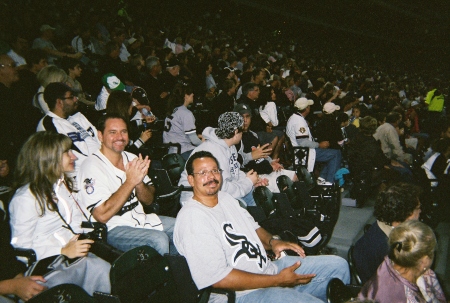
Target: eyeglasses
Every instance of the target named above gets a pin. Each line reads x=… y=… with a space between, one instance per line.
x=13 y=65
x=207 y=172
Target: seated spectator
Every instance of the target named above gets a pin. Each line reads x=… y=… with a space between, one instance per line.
x=110 y=83
x=154 y=87
x=111 y=63
x=367 y=159
x=389 y=138
x=266 y=168
x=45 y=216
x=437 y=166
x=349 y=131
x=405 y=274
x=397 y=204
x=121 y=103
x=82 y=43
x=268 y=112
x=47 y=75
x=224 y=236
x=63 y=118
x=119 y=36
x=19 y=49
x=250 y=95
x=44 y=42
x=354 y=118
x=179 y=126
x=328 y=128
x=221 y=142
x=73 y=70
x=114 y=186
x=299 y=134
x=224 y=102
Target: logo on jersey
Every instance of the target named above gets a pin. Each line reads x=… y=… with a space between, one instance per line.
x=244 y=248
x=89 y=185
x=302 y=130
x=91 y=132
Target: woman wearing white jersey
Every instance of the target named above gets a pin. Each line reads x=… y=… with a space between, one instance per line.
x=179 y=125
x=46 y=217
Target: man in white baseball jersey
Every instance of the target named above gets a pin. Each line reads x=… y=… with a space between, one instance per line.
x=299 y=134
x=114 y=183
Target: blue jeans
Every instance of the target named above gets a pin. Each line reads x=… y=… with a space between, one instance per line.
x=332 y=158
x=248 y=199
x=127 y=237
x=325 y=268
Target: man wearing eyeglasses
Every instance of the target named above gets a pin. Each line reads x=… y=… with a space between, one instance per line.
x=226 y=248
x=63 y=118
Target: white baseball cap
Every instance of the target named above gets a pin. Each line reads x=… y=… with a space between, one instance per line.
x=303 y=103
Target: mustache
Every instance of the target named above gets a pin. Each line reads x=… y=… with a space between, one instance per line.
x=211 y=182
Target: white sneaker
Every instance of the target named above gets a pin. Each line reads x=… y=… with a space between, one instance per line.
x=322 y=181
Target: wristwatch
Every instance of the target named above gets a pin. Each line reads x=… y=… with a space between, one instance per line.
x=274 y=237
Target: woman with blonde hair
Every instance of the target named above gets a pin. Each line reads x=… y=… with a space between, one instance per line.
x=405 y=274
x=47 y=75
x=46 y=217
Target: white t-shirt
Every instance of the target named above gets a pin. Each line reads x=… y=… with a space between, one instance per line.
x=218 y=239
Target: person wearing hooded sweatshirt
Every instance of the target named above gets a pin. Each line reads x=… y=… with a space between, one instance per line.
x=221 y=143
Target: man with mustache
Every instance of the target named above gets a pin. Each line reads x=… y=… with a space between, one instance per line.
x=226 y=248
x=113 y=184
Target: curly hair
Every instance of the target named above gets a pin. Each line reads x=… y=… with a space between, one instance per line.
x=397 y=203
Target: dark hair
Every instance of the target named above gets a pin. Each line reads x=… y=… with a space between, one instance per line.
x=110 y=47
x=176 y=98
x=69 y=63
x=393 y=117
x=342 y=117
x=441 y=145
x=55 y=91
x=397 y=203
x=198 y=155
x=228 y=84
x=34 y=56
x=119 y=103
x=380 y=116
x=265 y=96
x=248 y=87
x=102 y=121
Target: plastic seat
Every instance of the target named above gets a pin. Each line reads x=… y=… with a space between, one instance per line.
x=351 y=263
x=66 y=293
x=174 y=164
x=338 y=292
x=142 y=275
